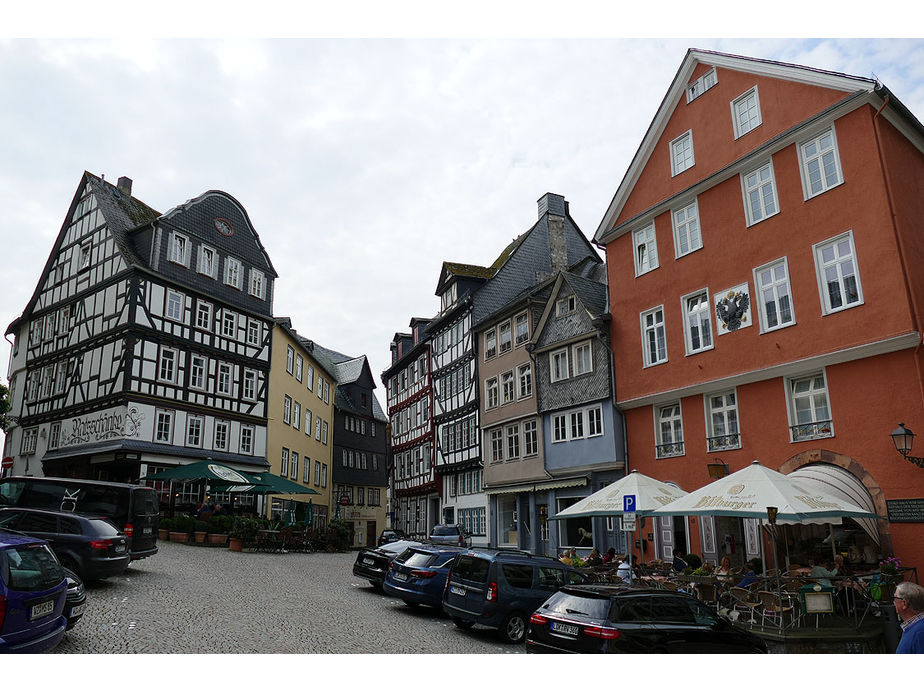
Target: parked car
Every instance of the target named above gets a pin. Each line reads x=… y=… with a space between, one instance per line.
x=418 y=574
x=450 y=534
x=133 y=509
x=92 y=547
x=372 y=564
x=501 y=588
x=597 y=618
x=390 y=535
x=76 y=602
x=33 y=591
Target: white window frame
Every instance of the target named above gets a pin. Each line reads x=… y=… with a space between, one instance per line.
x=86 y=256
x=559 y=368
x=246 y=446
x=658 y=328
x=491 y=393
x=221 y=435
x=759 y=187
x=208 y=268
x=29 y=441
x=253 y=332
x=287 y=410
x=512 y=441
x=565 y=305
x=179 y=248
x=162 y=363
x=508 y=388
x=174 y=306
x=290 y=359
x=703 y=322
x=530 y=438
x=296 y=414
x=299 y=367
x=723 y=410
x=504 y=346
x=293 y=467
x=687 y=229
x=837 y=263
x=774 y=288
x=249 y=385
x=519 y=337
x=228 y=317
x=576 y=361
x=198 y=364
x=806 y=161
x=233 y=271
x=645 y=238
x=309 y=379
x=700 y=86
x=678 y=145
x=204 y=315
x=595 y=421
x=199 y=430
x=818 y=428
x=743 y=127
x=284 y=463
x=660 y=441
x=224 y=378
x=524 y=381
x=163 y=415
x=257 y=284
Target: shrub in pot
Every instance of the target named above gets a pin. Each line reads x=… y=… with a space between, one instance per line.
x=182 y=527
x=163 y=529
x=201 y=530
x=219 y=527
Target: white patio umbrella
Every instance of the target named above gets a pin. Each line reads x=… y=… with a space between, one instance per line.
x=650 y=494
x=750 y=491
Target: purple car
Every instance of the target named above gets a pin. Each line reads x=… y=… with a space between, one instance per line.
x=33 y=590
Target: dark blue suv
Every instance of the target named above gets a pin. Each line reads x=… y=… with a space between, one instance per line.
x=501 y=588
x=418 y=575
x=33 y=590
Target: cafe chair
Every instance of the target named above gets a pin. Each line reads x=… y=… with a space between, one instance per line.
x=707 y=593
x=775 y=607
x=668 y=585
x=745 y=601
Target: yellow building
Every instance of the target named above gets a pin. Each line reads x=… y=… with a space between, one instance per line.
x=300 y=413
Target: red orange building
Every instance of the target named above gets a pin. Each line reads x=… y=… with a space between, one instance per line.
x=764 y=252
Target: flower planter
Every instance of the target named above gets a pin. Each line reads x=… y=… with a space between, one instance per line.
x=200 y=537
x=236 y=544
x=181 y=537
x=219 y=539
x=163 y=534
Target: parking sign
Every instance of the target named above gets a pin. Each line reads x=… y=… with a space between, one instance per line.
x=628 y=504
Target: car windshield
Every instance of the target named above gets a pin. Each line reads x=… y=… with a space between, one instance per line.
x=30 y=568
x=572 y=605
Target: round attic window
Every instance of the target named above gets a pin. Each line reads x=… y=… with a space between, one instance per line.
x=224 y=227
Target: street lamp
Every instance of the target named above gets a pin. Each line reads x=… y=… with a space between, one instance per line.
x=903 y=438
x=717 y=468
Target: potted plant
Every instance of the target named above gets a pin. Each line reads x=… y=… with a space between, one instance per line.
x=163 y=529
x=181 y=528
x=201 y=530
x=219 y=526
x=890 y=572
x=243 y=532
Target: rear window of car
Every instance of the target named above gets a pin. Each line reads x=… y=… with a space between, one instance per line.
x=417 y=559
x=518 y=575
x=573 y=605
x=30 y=568
x=471 y=568
x=146 y=502
x=103 y=527
x=445 y=531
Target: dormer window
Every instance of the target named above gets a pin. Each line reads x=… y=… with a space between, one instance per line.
x=563 y=306
x=449 y=296
x=179 y=249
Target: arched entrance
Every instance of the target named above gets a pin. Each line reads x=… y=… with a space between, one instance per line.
x=849 y=480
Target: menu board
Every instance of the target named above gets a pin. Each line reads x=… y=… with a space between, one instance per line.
x=906 y=510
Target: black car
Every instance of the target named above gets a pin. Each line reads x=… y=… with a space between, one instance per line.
x=372 y=564
x=92 y=547
x=598 y=619
x=390 y=535
x=76 y=598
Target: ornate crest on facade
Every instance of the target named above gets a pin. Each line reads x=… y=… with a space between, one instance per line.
x=732 y=308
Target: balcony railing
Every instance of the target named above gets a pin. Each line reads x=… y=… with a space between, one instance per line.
x=811 y=431
x=669 y=450
x=726 y=442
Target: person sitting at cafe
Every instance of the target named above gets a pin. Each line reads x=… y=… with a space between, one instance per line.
x=823 y=572
x=724 y=569
x=847 y=588
x=624 y=571
x=594 y=558
x=749 y=577
x=610 y=556
x=679 y=564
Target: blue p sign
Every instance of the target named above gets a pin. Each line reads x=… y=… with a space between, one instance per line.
x=628 y=504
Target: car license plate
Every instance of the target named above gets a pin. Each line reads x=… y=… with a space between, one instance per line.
x=401 y=577
x=43 y=609
x=564 y=628
x=120 y=548
x=147 y=530
x=457 y=590
x=368 y=561
x=77 y=610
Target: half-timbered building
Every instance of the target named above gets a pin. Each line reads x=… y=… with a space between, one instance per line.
x=146 y=343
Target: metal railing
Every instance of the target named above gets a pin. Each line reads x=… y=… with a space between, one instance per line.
x=669 y=450
x=730 y=441
x=813 y=430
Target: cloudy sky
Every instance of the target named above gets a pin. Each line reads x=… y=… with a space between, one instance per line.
x=363 y=164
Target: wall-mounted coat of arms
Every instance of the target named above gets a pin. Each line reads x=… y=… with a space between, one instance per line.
x=732 y=308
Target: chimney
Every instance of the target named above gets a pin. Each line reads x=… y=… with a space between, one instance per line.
x=125 y=186
x=556 y=207
x=552 y=204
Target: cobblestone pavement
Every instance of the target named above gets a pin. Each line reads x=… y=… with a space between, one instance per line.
x=195 y=600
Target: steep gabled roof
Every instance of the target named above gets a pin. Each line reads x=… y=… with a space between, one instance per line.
x=767 y=68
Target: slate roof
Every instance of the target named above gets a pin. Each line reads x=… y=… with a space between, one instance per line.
x=349 y=369
x=592 y=294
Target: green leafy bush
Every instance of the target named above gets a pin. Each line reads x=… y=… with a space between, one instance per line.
x=693 y=560
x=220 y=524
x=338 y=535
x=184 y=523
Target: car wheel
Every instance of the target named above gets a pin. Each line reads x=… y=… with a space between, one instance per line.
x=410 y=602
x=513 y=628
x=462 y=623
